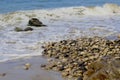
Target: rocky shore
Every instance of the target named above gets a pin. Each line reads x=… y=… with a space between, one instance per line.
x=93 y=58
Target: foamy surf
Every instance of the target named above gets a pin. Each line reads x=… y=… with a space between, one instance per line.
x=107 y=9
x=62 y=23
x=16 y=18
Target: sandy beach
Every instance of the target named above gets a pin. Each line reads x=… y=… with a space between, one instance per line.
x=14 y=69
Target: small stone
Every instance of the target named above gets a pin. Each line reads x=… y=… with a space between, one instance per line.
x=28 y=29
x=118 y=36
x=61 y=68
x=17 y=29
x=3 y=74
x=64 y=74
x=27 y=66
x=50 y=60
x=43 y=66
x=79 y=78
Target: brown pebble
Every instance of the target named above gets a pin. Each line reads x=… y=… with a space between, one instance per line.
x=43 y=66
x=64 y=74
x=27 y=66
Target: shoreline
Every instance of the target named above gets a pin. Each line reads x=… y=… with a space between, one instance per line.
x=75 y=64
x=15 y=70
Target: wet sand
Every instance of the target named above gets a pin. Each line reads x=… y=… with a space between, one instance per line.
x=14 y=69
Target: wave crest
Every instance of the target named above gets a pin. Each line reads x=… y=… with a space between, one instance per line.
x=107 y=9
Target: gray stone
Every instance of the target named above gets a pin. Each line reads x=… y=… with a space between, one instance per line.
x=18 y=29
x=28 y=29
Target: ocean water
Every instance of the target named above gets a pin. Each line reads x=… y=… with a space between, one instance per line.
x=65 y=19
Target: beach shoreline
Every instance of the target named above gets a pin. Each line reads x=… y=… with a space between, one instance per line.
x=67 y=60
x=14 y=69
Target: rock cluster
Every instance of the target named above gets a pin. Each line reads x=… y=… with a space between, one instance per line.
x=18 y=29
x=32 y=22
x=84 y=58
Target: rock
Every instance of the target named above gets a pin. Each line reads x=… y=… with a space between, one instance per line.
x=27 y=66
x=103 y=70
x=35 y=22
x=43 y=66
x=64 y=74
x=17 y=29
x=28 y=29
x=79 y=78
x=118 y=36
x=3 y=74
x=61 y=68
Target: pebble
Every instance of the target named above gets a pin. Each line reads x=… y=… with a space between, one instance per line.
x=3 y=74
x=27 y=66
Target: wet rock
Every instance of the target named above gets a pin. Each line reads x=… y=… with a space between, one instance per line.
x=103 y=70
x=3 y=74
x=28 y=29
x=27 y=66
x=18 y=29
x=43 y=66
x=35 y=22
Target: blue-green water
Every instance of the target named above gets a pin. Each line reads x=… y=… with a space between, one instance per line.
x=15 y=5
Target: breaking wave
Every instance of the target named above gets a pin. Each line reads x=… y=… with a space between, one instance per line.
x=70 y=21
x=61 y=13
x=107 y=9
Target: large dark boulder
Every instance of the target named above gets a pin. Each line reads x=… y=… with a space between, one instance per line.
x=35 y=22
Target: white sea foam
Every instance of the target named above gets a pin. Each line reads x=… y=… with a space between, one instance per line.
x=107 y=9
x=62 y=23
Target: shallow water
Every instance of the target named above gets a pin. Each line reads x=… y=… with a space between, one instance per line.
x=70 y=20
